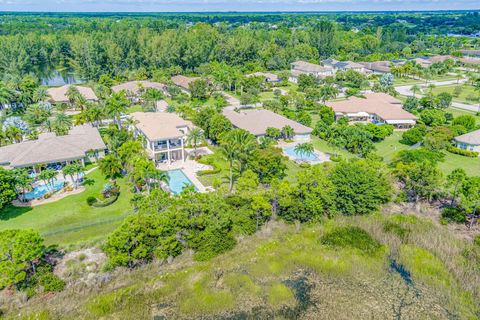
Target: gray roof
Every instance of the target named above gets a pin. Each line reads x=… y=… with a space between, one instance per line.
x=309 y=67
x=50 y=148
x=256 y=121
x=472 y=138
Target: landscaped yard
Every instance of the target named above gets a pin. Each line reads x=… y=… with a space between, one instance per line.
x=391 y=145
x=467 y=91
x=71 y=220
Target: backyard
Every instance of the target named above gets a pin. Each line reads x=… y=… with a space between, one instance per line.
x=71 y=220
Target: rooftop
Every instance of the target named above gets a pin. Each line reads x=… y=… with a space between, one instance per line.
x=59 y=94
x=50 y=148
x=381 y=104
x=268 y=76
x=135 y=86
x=183 y=81
x=309 y=67
x=256 y=121
x=160 y=125
x=380 y=66
x=472 y=138
x=342 y=64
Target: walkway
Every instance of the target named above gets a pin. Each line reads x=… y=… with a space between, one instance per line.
x=406 y=91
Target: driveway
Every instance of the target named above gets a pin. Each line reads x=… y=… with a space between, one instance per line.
x=406 y=91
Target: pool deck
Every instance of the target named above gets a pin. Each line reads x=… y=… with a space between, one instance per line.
x=190 y=169
x=322 y=156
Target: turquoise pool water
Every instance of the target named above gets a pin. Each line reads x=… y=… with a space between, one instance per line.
x=40 y=190
x=178 y=180
x=290 y=151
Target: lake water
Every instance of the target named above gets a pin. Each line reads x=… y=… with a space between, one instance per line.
x=57 y=78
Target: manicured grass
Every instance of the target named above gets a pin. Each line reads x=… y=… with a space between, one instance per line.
x=391 y=145
x=405 y=81
x=467 y=90
x=135 y=108
x=71 y=220
x=324 y=146
x=458 y=112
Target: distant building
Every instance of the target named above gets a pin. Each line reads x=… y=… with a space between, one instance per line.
x=52 y=149
x=379 y=108
x=269 y=77
x=59 y=94
x=164 y=134
x=302 y=67
x=469 y=141
x=183 y=82
x=256 y=121
x=378 y=67
x=136 y=88
x=471 y=53
x=345 y=65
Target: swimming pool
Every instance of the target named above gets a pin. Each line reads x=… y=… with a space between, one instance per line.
x=290 y=151
x=40 y=190
x=178 y=180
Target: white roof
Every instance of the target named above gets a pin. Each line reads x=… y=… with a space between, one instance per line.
x=160 y=125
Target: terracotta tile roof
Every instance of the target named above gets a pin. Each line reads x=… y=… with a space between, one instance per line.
x=160 y=125
x=59 y=94
x=381 y=104
x=256 y=121
x=50 y=148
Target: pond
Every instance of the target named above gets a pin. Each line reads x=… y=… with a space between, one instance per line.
x=54 y=78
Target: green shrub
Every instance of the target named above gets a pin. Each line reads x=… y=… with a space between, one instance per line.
x=397 y=229
x=279 y=294
x=476 y=240
x=51 y=283
x=336 y=158
x=106 y=202
x=454 y=214
x=91 y=200
x=207 y=172
x=466 y=153
x=351 y=237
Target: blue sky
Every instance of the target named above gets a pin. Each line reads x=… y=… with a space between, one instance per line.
x=234 y=5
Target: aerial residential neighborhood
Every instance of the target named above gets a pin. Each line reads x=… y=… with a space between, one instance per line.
x=240 y=163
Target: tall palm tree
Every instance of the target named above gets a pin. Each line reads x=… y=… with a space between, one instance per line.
x=287 y=132
x=40 y=95
x=415 y=89
x=62 y=123
x=47 y=176
x=110 y=166
x=23 y=181
x=73 y=170
x=116 y=105
x=13 y=134
x=73 y=95
x=230 y=152
x=328 y=92
x=195 y=137
x=304 y=149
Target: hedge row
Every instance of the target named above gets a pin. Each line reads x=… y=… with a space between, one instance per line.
x=466 y=153
x=94 y=202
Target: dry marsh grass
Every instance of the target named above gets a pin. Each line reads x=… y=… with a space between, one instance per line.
x=418 y=271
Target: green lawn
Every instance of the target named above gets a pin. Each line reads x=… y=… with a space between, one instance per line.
x=405 y=81
x=71 y=220
x=467 y=90
x=458 y=112
x=391 y=145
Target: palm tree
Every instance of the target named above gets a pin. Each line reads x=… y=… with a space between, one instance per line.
x=73 y=95
x=22 y=181
x=415 y=89
x=194 y=138
x=230 y=152
x=47 y=176
x=73 y=170
x=116 y=105
x=110 y=166
x=328 y=92
x=304 y=149
x=13 y=134
x=6 y=94
x=287 y=132
x=40 y=95
x=62 y=123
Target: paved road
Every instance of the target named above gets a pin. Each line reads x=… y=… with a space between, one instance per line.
x=406 y=91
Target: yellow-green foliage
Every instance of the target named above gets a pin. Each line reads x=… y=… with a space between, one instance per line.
x=201 y=299
x=242 y=284
x=280 y=294
x=108 y=303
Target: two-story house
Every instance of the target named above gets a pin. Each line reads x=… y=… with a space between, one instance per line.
x=164 y=135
